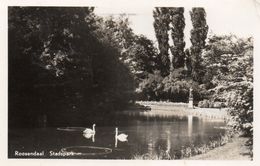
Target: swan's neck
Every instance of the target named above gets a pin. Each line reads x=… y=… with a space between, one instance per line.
x=93 y=127
x=116 y=132
x=93 y=138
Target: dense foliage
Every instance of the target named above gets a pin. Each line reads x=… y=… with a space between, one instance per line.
x=60 y=66
x=136 y=51
x=177 y=28
x=198 y=37
x=175 y=84
x=229 y=77
x=161 y=27
x=175 y=87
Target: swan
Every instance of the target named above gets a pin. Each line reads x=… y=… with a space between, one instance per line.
x=88 y=136
x=121 y=137
x=90 y=131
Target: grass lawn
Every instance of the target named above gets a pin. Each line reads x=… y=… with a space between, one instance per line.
x=181 y=109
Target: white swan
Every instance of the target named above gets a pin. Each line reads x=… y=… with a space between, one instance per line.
x=90 y=131
x=121 y=137
x=88 y=136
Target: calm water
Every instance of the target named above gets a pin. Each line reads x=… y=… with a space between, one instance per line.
x=146 y=135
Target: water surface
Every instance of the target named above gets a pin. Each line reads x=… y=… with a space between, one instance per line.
x=146 y=135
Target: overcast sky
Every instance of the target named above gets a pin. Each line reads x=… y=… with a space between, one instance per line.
x=229 y=17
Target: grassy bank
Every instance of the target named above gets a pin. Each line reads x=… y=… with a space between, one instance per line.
x=189 y=150
x=226 y=147
x=236 y=149
x=178 y=109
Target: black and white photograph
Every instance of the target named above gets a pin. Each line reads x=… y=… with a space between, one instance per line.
x=148 y=82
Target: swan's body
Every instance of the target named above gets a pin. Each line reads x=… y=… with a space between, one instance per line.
x=90 y=131
x=88 y=136
x=121 y=137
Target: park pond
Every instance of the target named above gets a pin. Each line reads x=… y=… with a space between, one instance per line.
x=147 y=135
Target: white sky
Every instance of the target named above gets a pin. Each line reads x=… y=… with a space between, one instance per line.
x=236 y=17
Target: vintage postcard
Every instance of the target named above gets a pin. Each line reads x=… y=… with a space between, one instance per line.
x=120 y=80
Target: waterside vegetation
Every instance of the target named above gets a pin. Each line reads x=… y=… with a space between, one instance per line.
x=201 y=151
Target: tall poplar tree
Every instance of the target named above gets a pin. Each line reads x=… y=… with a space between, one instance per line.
x=177 y=28
x=161 y=27
x=198 y=37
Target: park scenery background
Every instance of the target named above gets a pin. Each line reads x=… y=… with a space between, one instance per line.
x=68 y=66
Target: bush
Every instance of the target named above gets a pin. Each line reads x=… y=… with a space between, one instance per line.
x=211 y=104
x=203 y=104
x=242 y=109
